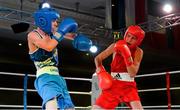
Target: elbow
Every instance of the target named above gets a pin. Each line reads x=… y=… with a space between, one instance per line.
x=97 y=59
x=133 y=74
x=132 y=70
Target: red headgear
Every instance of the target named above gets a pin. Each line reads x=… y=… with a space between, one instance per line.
x=136 y=31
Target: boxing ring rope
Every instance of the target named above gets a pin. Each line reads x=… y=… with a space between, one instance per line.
x=157 y=74
x=25 y=90
x=31 y=106
x=90 y=93
x=31 y=75
x=33 y=90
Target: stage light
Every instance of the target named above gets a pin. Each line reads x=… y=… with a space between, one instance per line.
x=167 y=8
x=93 y=49
x=45 y=5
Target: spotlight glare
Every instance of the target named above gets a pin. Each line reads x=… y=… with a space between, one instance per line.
x=20 y=44
x=93 y=49
x=45 y=5
x=167 y=8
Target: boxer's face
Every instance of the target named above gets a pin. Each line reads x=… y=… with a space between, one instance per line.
x=54 y=25
x=131 y=39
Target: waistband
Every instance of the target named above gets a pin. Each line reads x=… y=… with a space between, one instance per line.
x=122 y=76
x=48 y=69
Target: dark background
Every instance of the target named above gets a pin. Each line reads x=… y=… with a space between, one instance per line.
x=160 y=55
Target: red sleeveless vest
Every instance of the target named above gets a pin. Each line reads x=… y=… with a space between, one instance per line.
x=118 y=64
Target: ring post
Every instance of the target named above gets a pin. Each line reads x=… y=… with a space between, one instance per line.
x=168 y=90
x=25 y=91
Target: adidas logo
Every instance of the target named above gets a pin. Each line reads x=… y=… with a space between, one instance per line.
x=117 y=76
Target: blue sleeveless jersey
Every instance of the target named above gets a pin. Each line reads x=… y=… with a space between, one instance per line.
x=42 y=58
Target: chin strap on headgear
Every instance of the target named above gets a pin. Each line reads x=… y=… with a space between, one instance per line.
x=136 y=31
x=44 y=17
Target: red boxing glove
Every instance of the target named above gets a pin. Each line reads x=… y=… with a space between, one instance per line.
x=104 y=78
x=122 y=47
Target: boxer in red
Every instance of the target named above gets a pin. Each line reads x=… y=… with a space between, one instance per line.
x=120 y=86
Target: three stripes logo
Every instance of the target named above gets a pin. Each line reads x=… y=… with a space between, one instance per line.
x=118 y=76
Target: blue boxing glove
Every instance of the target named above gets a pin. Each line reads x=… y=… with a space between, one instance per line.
x=66 y=26
x=82 y=42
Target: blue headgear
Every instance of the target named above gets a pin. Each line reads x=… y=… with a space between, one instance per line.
x=43 y=18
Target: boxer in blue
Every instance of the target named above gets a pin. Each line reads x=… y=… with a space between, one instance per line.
x=42 y=43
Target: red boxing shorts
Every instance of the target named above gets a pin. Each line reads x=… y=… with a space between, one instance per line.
x=121 y=91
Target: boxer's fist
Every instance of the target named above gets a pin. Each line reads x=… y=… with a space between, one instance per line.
x=104 y=78
x=66 y=26
x=82 y=42
x=122 y=47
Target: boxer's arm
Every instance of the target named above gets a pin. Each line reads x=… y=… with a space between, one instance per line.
x=67 y=25
x=104 y=78
x=47 y=44
x=133 y=69
x=70 y=36
x=103 y=55
x=121 y=47
x=81 y=42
